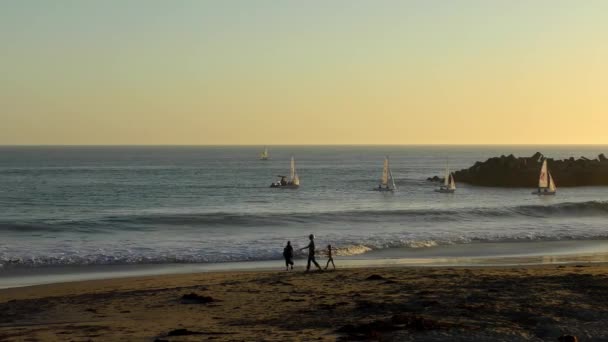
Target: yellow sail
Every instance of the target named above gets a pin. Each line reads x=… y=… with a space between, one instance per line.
x=384 y=179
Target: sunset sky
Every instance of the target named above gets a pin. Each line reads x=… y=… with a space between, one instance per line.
x=304 y=72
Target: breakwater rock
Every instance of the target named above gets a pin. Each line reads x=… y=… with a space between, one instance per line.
x=511 y=171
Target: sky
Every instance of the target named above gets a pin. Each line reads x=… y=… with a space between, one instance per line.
x=263 y=72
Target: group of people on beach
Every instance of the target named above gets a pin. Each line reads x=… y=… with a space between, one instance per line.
x=288 y=255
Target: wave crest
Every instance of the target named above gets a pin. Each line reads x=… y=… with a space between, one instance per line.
x=224 y=219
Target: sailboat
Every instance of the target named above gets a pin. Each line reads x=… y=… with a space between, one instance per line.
x=264 y=155
x=294 y=179
x=546 y=185
x=387 y=182
x=449 y=185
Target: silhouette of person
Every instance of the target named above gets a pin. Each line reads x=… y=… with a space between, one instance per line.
x=288 y=255
x=311 y=253
x=330 y=257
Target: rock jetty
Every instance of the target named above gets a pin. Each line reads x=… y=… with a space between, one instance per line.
x=511 y=171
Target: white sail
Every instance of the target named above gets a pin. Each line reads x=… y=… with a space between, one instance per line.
x=296 y=179
x=292 y=174
x=391 y=183
x=446 y=176
x=543 y=180
x=451 y=183
x=385 y=170
x=552 y=187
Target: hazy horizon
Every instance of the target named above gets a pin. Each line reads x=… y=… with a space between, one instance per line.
x=238 y=73
x=302 y=145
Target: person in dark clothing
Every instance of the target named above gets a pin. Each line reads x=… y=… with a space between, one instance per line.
x=330 y=257
x=311 y=253
x=288 y=255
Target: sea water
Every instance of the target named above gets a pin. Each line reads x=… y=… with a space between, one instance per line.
x=93 y=206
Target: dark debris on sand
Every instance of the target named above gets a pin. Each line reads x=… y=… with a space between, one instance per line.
x=186 y=332
x=375 y=277
x=193 y=298
x=183 y=332
x=375 y=329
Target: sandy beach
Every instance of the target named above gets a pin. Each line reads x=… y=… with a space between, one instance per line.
x=538 y=303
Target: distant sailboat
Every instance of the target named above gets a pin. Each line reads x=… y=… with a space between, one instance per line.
x=546 y=185
x=294 y=179
x=264 y=155
x=387 y=182
x=449 y=185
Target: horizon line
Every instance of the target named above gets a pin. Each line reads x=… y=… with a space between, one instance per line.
x=279 y=145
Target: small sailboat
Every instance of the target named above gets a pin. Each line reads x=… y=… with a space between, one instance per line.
x=294 y=179
x=387 y=182
x=449 y=185
x=546 y=185
x=264 y=154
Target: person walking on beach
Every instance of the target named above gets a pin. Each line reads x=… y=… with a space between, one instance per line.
x=330 y=257
x=288 y=255
x=311 y=253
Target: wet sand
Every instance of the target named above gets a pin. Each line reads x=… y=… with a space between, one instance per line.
x=509 y=303
x=458 y=255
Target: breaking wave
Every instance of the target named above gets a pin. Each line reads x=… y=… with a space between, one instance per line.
x=190 y=238
x=173 y=255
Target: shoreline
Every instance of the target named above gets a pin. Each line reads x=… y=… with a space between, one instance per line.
x=459 y=255
x=515 y=303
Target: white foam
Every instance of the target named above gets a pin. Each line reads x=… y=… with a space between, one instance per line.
x=421 y=244
x=352 y=250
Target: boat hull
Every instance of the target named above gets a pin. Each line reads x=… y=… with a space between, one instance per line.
x=289 y=186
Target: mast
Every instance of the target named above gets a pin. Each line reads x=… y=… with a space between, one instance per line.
x=446 y=176
x=293 y=169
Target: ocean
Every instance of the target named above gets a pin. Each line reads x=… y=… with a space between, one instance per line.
x=165 y=205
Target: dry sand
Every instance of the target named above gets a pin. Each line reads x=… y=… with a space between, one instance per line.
x=533 y=303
